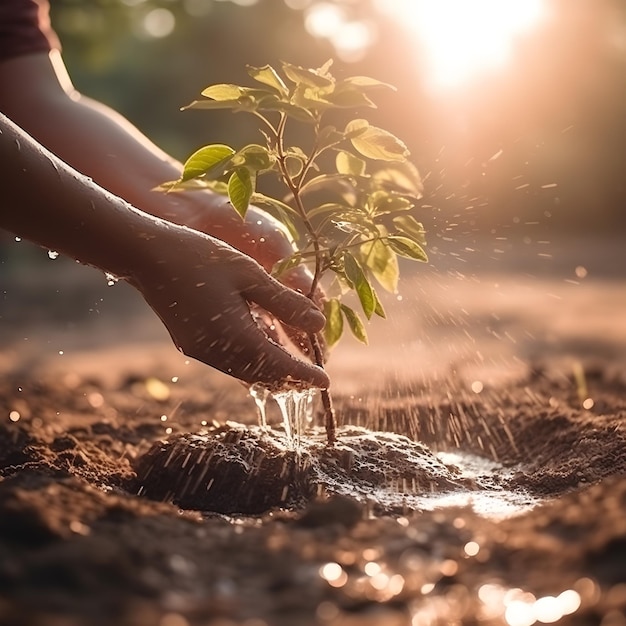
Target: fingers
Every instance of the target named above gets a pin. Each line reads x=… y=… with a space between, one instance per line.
x=287 y=305
x=248 y=354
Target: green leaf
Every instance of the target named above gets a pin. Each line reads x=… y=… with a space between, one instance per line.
x=175 y=186
x=213 y=104
x=328 y=181
x=361 y=285
x=402 y=177
x=409 y=226
x=240 y=188
x=407 y=248
x=349 y=98
x=365 y=82
x=254 y=157
x=329 y=207
x=379 y=310
x=354 y=322
x=209 y=160
x=281 y=211
x=309 y=97
x=223 y=92
x=290 y=109
x=284 y=265
x=268 y=76
x=356 y=128
x=376 y=143
x=349 y=164
x=385 y=202
x=382 y=262
x=310 y=77
x=334 y=321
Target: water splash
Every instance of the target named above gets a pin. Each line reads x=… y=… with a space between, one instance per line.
x=260 y=395
x=111 y=279
x=296 y=407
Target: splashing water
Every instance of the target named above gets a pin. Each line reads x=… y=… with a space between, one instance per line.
x=260 y=395
x=296 y=407
x=111 y=279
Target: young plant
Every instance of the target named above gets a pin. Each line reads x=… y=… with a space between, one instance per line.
x=346 y=220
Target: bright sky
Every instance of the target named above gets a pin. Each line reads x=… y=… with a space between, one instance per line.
x=461 y=39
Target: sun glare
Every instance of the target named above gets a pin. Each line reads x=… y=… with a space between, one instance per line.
x=461 y=39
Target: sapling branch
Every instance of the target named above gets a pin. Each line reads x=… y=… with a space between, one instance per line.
x=330 y=422
x=359 y=235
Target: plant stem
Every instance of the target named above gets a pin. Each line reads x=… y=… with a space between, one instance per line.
x=330 y=422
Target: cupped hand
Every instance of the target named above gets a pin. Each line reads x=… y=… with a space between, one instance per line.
x=263 y=238
x=202 y=290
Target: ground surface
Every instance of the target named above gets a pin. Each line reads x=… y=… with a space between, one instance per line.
x=490 y=371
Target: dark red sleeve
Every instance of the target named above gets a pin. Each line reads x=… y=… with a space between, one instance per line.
x=25 y=28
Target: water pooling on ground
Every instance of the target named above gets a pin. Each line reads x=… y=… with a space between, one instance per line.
x=233 y=468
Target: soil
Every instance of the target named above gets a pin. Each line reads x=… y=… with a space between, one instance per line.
x=479 y=475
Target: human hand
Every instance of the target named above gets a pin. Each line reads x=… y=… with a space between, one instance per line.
x=202 y=289
x=263 y=238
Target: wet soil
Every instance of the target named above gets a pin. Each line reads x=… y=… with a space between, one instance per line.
x=479 y=477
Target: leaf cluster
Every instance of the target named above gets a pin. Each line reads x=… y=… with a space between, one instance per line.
x=351 y=219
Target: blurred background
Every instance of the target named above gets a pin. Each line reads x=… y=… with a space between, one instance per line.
x=514 y=111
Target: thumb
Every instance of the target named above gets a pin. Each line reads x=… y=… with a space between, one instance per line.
x=287 y=305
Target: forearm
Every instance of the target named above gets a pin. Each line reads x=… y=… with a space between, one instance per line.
x=45 y=201
x=92 y=138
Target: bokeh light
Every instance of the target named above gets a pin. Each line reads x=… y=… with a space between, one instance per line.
x=460 y=39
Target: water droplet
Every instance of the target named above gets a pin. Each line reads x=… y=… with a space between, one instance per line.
x=110 y=278
x=260 y=394
x=296 y=407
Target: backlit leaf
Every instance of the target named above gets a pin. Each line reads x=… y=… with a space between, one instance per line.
x=284 y=265
x=361 y=285
x=409 y=226
x=281 y=211
x=268 y=76
x=382 y=262
x=385 y=202
x=354 y=322
x=349 y=164
x=254 y=157
x=334 y=321
x=209 y=160
x=407 y=248
x=365 y=82
x=240 y=188
x=379 y=310
x=402 y=177
x=349 y=98
x=223 y=92
x=310 y=77
x=376 y=143
x=212 y=104
x=356 y=128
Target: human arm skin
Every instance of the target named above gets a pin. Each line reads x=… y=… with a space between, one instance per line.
x=199 y=286
x=37 y=94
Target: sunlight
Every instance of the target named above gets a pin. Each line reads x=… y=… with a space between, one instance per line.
x=461 y=38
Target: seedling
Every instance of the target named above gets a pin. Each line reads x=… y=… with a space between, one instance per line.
x=347 y=219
